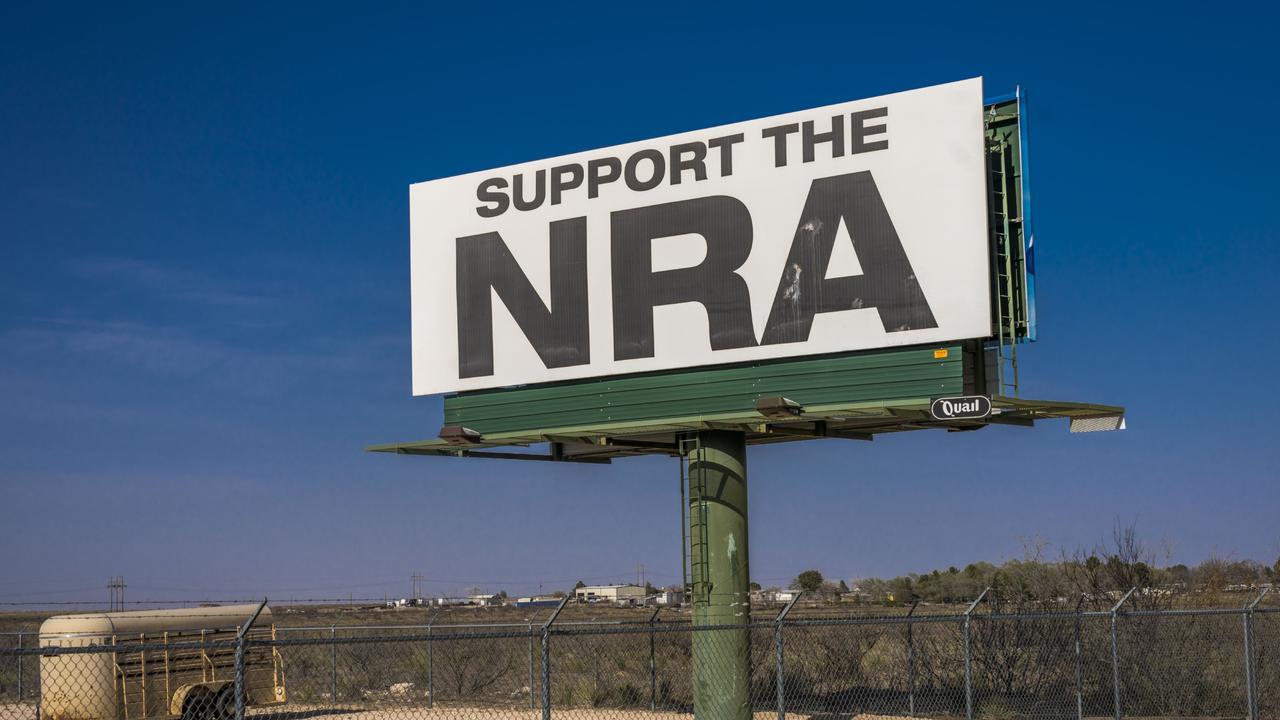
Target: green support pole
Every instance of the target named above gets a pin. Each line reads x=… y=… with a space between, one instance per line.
x=719 y=569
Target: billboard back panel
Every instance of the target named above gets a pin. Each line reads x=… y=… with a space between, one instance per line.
x=848 y=227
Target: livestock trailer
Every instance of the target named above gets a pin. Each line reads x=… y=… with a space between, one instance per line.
x=170 y=664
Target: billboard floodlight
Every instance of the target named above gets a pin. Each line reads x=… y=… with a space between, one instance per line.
x=1100 y=423
x=458 y=435
x=779 y=408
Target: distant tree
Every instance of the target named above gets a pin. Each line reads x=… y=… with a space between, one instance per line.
x=753 y=585
x=875 y=588
x=1275 y=569
x=842 y=587
x=1142 y=574
x=1129 y=560
x=1098 y=577
x=1180 y=574
x=579 y=585
x=558 y=594
x=1211 y=574
x=902 y=589
x=502 y=594
x=649 y=589
x=1246 y=572
x=809 y=580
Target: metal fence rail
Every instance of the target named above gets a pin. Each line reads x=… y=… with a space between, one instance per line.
x=1218 y=663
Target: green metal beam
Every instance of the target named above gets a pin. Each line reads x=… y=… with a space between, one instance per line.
x=859 y=421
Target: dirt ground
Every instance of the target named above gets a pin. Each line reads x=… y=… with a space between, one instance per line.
x=28 y=712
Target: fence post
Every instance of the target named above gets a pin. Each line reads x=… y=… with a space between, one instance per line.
x=531 y=680
x=240 y=648
x=431 y=679
x=1251 y=672
x=1115 y=655
x=911 y=663
x=546 y=658
x=1247 y=617
x=1079 y=664
x=968 y=657
x=777 y=644
x=20 y=658
x=333 y=665
x=242 y=645
x=653 y=661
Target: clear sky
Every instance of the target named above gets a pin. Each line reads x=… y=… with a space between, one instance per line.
x=204 y=310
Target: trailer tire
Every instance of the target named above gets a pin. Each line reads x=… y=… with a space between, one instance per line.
x=198 y=705
x=224 y=705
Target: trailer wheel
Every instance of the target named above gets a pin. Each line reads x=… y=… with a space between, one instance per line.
x=224 y=705
x=199 y=705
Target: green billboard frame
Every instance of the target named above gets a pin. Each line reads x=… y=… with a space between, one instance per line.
x=851 y=396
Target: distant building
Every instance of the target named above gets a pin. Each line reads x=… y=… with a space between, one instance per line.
x=622 y=594
x=769 y=596
x=669 y=598
x=484 y=600
x=542 y=601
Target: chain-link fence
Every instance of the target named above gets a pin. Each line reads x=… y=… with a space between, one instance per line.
x=1202 y=663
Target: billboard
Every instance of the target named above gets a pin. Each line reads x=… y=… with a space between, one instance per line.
x=848 y=227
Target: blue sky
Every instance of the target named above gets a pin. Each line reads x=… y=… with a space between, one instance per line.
x=204 y=308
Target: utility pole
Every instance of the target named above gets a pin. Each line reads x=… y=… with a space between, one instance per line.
x=116 y=586
x=416 y=583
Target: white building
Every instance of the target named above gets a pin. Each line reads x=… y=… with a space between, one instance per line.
x=625 y=594
x=769 y=596
x=669 y=598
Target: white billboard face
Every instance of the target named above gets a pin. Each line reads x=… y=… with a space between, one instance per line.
x=848 y=227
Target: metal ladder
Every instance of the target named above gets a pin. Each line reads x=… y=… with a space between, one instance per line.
x=1007 y=296
x=697 y=573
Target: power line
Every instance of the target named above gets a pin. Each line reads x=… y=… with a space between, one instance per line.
x=49 y=592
